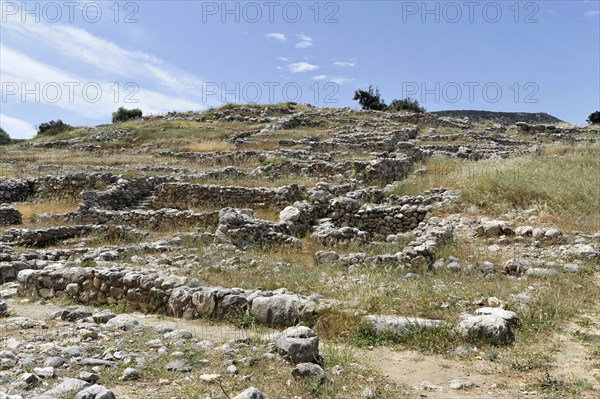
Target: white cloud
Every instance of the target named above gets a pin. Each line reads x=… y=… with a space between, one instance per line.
x=592 y=13
x=344 y=64
x=334 y=79
x=66 y=90
x=17 y=128
x=106 y=56
x=280 y=37
x=283 y=59
x=305 y=41
x=302 y=67
x=303 y=44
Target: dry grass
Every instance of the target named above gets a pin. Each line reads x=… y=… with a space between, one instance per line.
x=31 y=210
x=563 y=181
x=210 y=146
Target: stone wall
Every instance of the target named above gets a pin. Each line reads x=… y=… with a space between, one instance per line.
x=229 y=158
x=481 y=151
x=9 y=215
x=185 y=196
x=124 y=193
x=526 y=128
x=419 y=254
x=149 y=219
x=152 y=291
x=16 y=190
x=366 y=141
x=71 y=185
x=240 y=228
x=50 y=235
x=384 y=169
x=52 y=186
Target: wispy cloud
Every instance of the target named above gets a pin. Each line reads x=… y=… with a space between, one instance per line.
x=335 y=79
x=302 y=67
x=17 y=128
x=280 y=37
x=283 y=59
x=592 y=13
x=20 y=69
x=106 y=56
x=345 y=64
x=304 y=41
x=341 y=80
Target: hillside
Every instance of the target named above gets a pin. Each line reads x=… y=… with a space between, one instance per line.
x=289 y=251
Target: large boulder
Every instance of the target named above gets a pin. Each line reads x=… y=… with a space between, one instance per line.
x=492 y=325
x=582 y=251
x=299 y=345
x=95 y=392
x=289 y=214
x=66 y=387
x=278 y=310
x=493 y=228
x=124 y=322
x=310 y=371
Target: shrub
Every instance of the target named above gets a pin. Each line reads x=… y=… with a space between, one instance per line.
x=370 y=99
x=123 y=114
x=408 y=104
x=53 y=128
x=594 y=118
x=4 y=137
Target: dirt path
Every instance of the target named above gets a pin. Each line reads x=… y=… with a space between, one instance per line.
x=411 y=368
x=201 y=329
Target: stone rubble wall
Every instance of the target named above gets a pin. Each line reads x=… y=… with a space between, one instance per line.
x=185 y=196
x=479 y=152
x=526 y=128
x=151 y=291
x=47 y=236
x=52 y=186
x=9 y=216
x=240 y=228
x=343 y=219
x=16 y=190
x=147 y=219
x=419 y=254
x=124 y=193
x=379 y=169
x=366 y=141
x=232 y=157
x=71 y=185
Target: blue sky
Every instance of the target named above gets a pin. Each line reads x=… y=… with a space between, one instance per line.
x=79 y=61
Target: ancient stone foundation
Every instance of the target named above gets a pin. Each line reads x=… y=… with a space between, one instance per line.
x=152 y=291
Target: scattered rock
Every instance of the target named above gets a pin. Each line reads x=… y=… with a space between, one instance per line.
x=299 y=345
